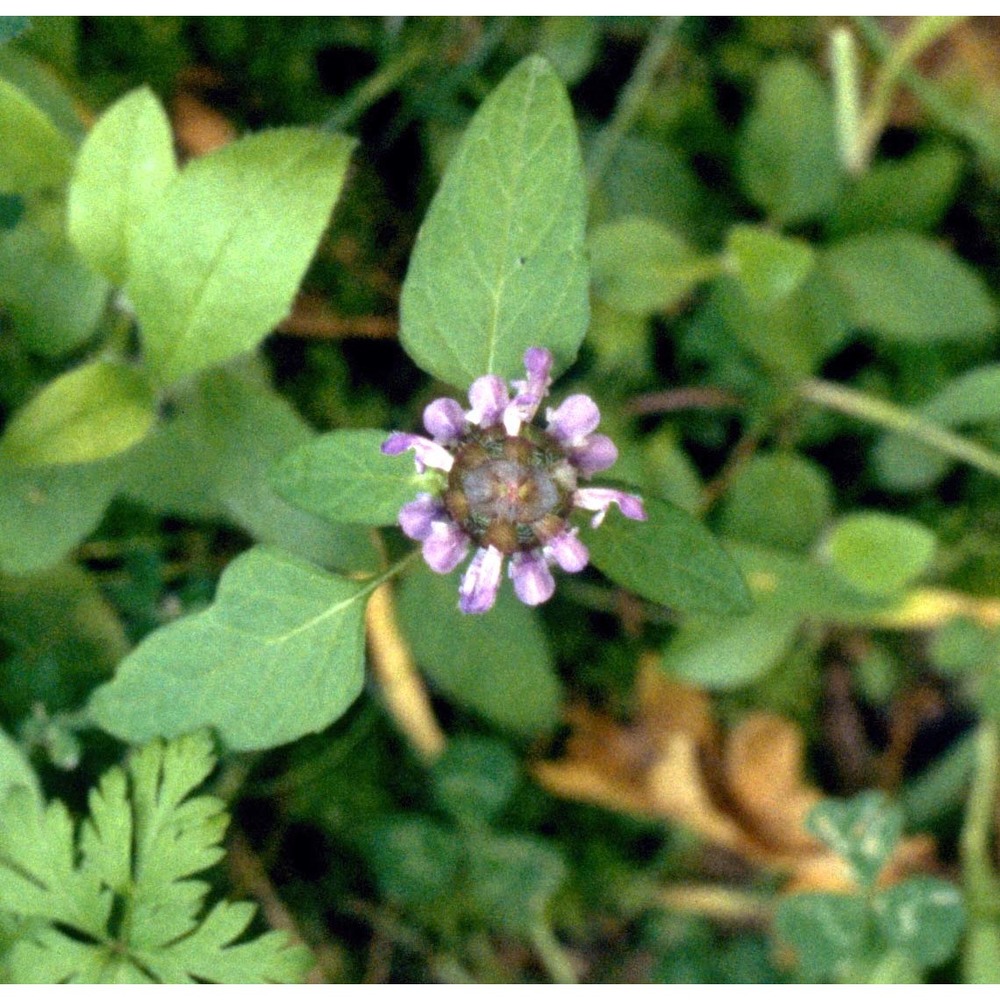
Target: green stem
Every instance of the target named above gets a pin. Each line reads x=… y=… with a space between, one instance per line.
x=373 y=583
x=895 y=418
x=374 y=88
x=552 y=955
x=900 y=57
x=970 y=124
x=632 y=97
x=975 y=847
x=847 y=98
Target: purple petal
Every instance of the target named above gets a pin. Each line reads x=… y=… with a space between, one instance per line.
x=488 y=396
x=568 y=551
x=600 y=499
x=445 y=546
x=416 y=517
x=576 y=417
x=529 y=392
x=426 y=453
x=533 y=582
x=479 y=586
x=597 y=453
x=538 y=364
x=444 y=420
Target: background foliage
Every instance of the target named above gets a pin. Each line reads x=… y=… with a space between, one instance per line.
x=756 y=741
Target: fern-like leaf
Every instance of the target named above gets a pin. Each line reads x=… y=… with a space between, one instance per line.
x=117 y=904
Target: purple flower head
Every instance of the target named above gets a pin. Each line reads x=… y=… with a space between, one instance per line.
x=509 y=487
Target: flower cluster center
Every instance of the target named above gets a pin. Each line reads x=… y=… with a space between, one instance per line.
x=510 y=492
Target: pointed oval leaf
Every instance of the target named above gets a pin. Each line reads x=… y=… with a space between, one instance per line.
x=46 y=512
x=34 y=154
x=344 y=477
x=672 y=559
x=96 y=411
x=499 y=263
x=909 y=289
x=216 y=263
x=719 y=656
x=788 y=163
x=51 y=299
x=499 y=665
x=641 y=266
x=768 y=265
x=124 y=164
x=279 y=653
x=878 y=553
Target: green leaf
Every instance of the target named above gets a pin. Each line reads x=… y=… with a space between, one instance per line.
x=782 y=500
x=796 y=583
x=11 y=27
x=829 y=933
x=217 y=260
x=792 y=336
x=60 y=637
x=499 y=264
x=145 y=836
x=474 y=778
x=512 y=879
x=498 y=665
x=640 y=266
x=970 y=399
x=46 y=512
x=53 y=299
x=123 y=166
x=38 y=873
x=344 y=477
x=212 y=459
x=767 y=265
x=34 y=154
x=671 y=559
x=729 y=654
x=922 y=917
x=415 y=859
x=912 y=193
x=788 y=163
x=864 y=831
x=43 y=85
x=279 y=653
x=879 y=553
x=648 y=178
x=906 y=288
x=981 y=953
x=95 y=411
x=15 y=771
x=570 y=44
x=961 y=646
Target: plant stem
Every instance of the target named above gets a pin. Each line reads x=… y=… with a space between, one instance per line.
x=718 y=902
x=971 y=124
x=895 y=418
x=847 y=98
x=897 y=59
x=632 y=96
x=975 y=846
x=552 y=955
x=373 y=582
x=373 y=89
